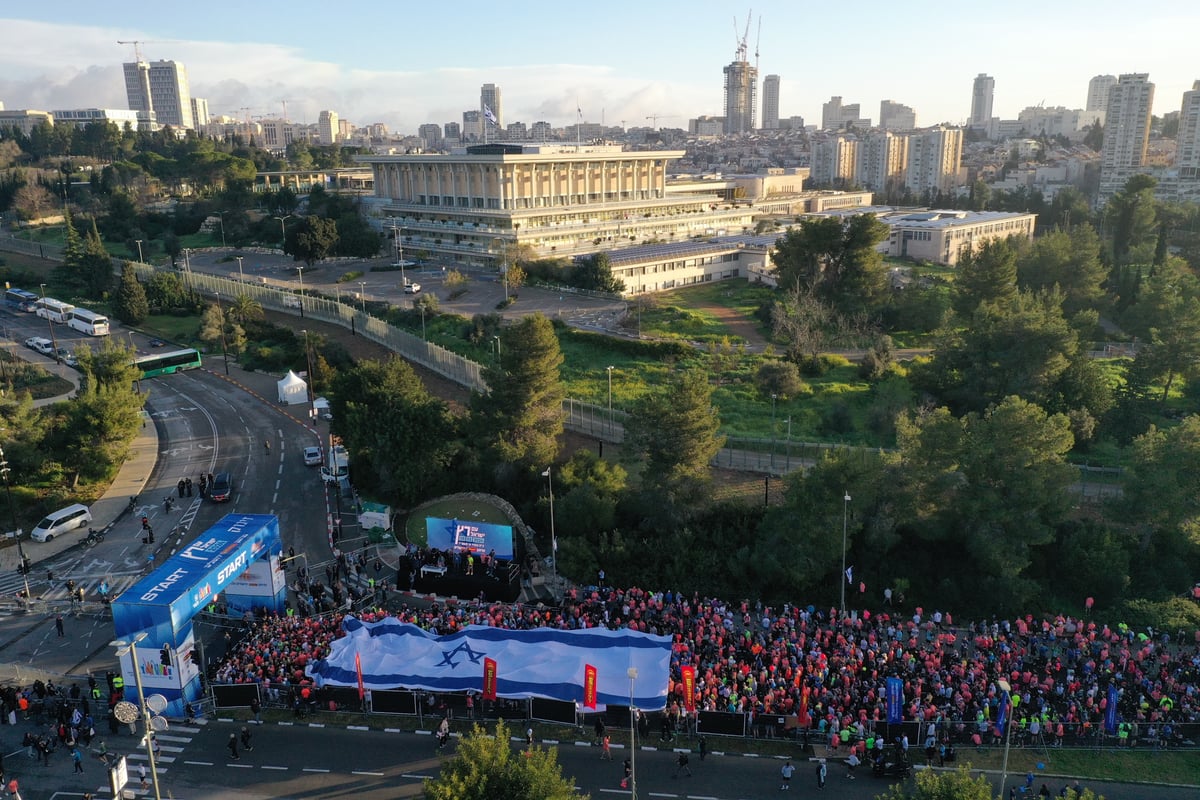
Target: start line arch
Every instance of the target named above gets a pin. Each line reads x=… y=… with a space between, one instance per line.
x=238 y=556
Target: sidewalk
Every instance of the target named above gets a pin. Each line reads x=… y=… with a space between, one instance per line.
x=112 y=505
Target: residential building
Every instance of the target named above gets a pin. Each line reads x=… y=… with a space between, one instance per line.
x=489 y=97
x=882 y=159
x=934 y=159
x=24 y=120
x=1126 y=132
x=706 y=126
x=741 y=90
x=1187 y=154
x=834 y=161
x=80 y=117
x=1097 y=95
x=200 y=116
x=452 y=132
x=981 y=100
x=277 y=134
x=541 y=131
x=770 y=105
x=896 y=116
x=835 y=116
x=472 y=126
x=327 y=128
x=160 y=87
x=430 y=135
x=516 y=132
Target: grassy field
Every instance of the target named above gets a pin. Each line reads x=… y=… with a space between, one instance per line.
x=451 y=508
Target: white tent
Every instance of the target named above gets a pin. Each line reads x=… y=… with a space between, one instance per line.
x=292 y=389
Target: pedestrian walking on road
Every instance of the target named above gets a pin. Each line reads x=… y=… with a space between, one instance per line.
x=785 y=776
x=256 y=709
x=822 y=771
x=681 y=765
x=628 y=773
x=606 y=748
x=246 y=739
x=703 y=747
x=232 y=745
x=142 y=777
x=77 y=759
x=58 y=625
x=181 y=486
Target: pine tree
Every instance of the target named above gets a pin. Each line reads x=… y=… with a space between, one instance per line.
x=130 y=305
x=95 y=267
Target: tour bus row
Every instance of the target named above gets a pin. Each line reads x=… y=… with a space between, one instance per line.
x=80 y=319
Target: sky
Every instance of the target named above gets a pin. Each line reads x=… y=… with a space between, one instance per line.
x=617 y=61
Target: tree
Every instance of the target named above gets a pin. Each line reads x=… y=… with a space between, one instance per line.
x=96 y=266
x=931 y=785
x=837 y=260
x=32 y=199
x=312 y=240
x=1131 y=215
x=130 y=305
x=245 y=308
x=986 y=275
x=486 y=768
x=780 y=378
x=165 y=290
x=1069 y=260
x=676 y=430
x=1164 y=482
x=522 y=414
x=104 y=415
x=595 y=273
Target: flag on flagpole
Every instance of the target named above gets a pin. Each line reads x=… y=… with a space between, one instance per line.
x=487 y=112
x=580 y=112
x=850 y=574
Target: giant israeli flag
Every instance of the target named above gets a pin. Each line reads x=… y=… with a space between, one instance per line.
x=542 y=662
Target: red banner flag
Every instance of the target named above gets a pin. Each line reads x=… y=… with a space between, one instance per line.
x=589 y=686
x=362 y=692
x=489 y=679
x=688 y=678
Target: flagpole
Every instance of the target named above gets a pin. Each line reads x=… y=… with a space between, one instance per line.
x=842 y=579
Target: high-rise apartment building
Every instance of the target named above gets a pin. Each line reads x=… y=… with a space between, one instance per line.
x=199 y=111
x=452 y=132
x=770 y=103
x=835 y=115
x=741 y=91
x=160 y=87
x=882 y=158
x=541 y=131
x=516 y=132
x=833 y=161
x=489 y=98
x=472 y=126
x=327 y=128
x=277 y=134
x=1126 y=125
x=981 y=101
x=934 y=156
x=1187 y=153
x=896 y=116
x=1098 y=89
x=431 y=136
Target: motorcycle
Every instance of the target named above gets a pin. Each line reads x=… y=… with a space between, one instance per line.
x=94 y=537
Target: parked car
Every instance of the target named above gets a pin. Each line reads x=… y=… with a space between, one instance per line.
x=221 y=490
x=68 y=357
x=312 y=456
x=412 y=288
x=157 y=343
x=32 y=342
x=45 y=347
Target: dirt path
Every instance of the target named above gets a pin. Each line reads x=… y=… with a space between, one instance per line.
x=737 y=323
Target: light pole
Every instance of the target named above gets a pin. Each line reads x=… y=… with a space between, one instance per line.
x=422 y=307
x=399 y=252
x=308 y=360
x=362 y=295
x=50 y=322
x=553 y=540
x=845 y=516
x=224 y=346
x=609 y=370
x=300 y=272
x=221 y=217
x=632 y=673
x=187 y=267
x=773 y=397
x=130 y=647
x=241 y=275
x=139 y=244
x=282 y=232
x=12 y=509
x=499 y=360
x=503 y=265
x=1007 y=689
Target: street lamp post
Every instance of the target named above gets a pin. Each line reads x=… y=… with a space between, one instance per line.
x=362 y=295
x=842 y=580
x=499 y=360
x=224 y=346
x=12 y=509
x=399 y=252
x=504 y=266
x=50 y=322
x=1007 y=689
x=422 y=307
x=632 y=673
x=553 y=539
x=139 y=244
x=300 y=272
x=130 y=647
x=241 y=275
x=282 y=232
x=609 y=370
x=773 y=396
x=221 y=217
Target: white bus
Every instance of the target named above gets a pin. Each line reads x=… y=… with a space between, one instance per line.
x=88 y=322
x=54 y=310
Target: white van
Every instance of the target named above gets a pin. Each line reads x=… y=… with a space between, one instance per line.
x=61 y=521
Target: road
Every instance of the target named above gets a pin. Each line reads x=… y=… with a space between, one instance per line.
x=303 y=761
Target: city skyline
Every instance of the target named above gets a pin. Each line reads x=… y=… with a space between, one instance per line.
x=424 y=67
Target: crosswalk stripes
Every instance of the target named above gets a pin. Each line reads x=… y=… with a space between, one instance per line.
x=10 y=585
x=170 y=744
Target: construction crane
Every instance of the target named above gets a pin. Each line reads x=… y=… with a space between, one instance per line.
x=742 y=46
x=137 y=45
x=654 y=118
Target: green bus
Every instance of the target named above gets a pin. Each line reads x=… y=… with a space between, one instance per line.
x=167 y=363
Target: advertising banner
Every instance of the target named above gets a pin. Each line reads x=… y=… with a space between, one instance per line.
x=475 y=537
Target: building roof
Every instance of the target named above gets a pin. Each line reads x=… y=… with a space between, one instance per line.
x=948 y=218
